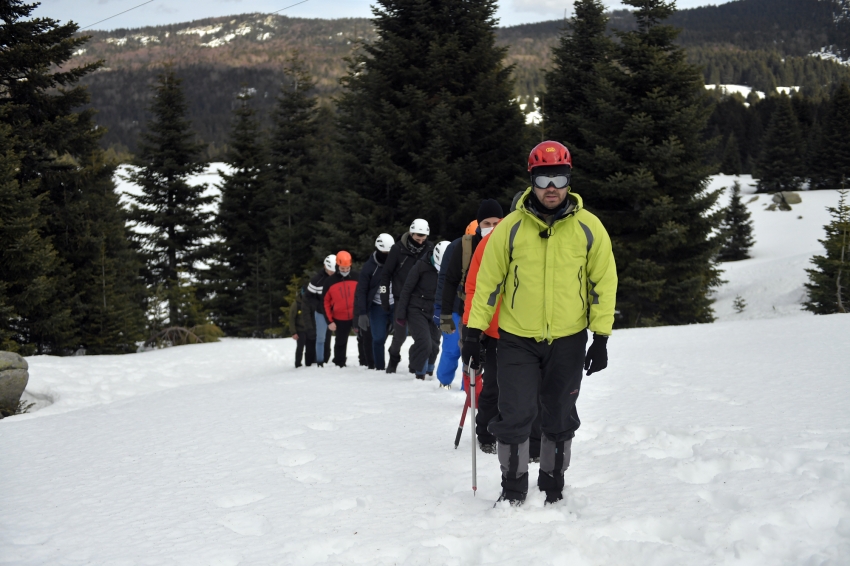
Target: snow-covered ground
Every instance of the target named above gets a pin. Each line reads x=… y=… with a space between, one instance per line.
x=726 y=443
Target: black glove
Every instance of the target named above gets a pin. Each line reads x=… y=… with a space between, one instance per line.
x=447 y=323
x=597 y=355
x=471 y=351
x=363 y=322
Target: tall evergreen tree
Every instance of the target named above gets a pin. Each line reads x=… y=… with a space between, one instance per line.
x=780 y=165
x=59 y=148
x=242 y=223
x=829 y=283
x=831 y=161
x=644 y=173
x=28 y=298
x=170 y=213
x=731 y=162
x=579 y=84
x=736 y=229
x=427 y=118
x=300 y=169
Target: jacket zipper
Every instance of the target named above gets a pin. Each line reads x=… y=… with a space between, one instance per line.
x=516 y=285
x=580 y=294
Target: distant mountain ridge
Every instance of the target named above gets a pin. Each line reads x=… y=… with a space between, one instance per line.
x=763 y=43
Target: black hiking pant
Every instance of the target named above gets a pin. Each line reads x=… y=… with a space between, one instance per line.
x=488 y=400
x=364 y=348
x=536 y=374
x=426 y=340
x=399 y=336
x=307 y=348
x=343 y=329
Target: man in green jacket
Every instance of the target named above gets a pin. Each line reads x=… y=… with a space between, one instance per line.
x=551 y=263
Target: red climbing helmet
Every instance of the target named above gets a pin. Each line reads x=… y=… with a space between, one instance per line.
x=549 y=153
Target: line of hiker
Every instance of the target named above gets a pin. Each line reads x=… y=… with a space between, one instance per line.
x=514 y=295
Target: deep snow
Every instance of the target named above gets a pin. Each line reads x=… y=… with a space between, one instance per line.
x=706 y=444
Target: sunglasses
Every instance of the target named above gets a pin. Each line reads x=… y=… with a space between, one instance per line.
x=557 y=181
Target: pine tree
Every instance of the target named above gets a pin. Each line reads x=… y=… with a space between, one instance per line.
x=170 y=213
x=576 y=85
x=831 y=162
x=731 y=163
x=780 y=165
x=736 y=230
x=427 y=119
x=300 y=170
x=646 y=177
x=59 y=148
x=829 y=283
x=28 y=297
x=242 y=222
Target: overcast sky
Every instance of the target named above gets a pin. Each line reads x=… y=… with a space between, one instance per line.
x=87 y=12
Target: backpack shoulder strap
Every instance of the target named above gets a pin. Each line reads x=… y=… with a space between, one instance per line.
x=466 y=258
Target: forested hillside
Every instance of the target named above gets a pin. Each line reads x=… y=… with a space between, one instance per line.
x=760 y=43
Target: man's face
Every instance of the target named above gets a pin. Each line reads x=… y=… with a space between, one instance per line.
x=345 y=270
x=551 y=197
x=419 y=238
x=551 y=184
x=489 y=222
x=328 y=271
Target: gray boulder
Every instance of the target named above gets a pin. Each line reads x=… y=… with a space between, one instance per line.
x=13 y=379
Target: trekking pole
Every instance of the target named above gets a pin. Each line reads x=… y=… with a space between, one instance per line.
x=473 y=374
x=462 y=420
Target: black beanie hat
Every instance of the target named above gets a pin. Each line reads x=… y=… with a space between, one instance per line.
x=489 y=208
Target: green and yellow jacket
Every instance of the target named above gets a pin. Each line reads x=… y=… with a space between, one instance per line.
x=554 y=280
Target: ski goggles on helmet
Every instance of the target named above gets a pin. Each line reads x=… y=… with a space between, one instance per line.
x=559 y=181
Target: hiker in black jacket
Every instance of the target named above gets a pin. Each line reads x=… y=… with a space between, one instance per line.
x=412 y=246
x=372 y=320
x=415 y=308
x=316 y=300
x=302 y=325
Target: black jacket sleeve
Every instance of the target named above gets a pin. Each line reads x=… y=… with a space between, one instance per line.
x=314 y=293
x=454 y=272
x=409 y=285
x=361 y=301
x=387 y=276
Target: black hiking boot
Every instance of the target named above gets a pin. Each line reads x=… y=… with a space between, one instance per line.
x=553 y=497
x=514 y=498
x=420 y=376
x=392 y=366
x=552 y=486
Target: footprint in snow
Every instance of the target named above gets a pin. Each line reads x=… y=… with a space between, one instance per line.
x=699 y=470
x=239 y=498
x=246 y=524
x=280 y=435
x=296 y=459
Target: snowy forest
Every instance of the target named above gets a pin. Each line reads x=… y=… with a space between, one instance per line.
x=86 y=271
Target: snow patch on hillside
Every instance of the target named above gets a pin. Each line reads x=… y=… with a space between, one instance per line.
x=772 y=281
x=201 y=31
x=827 y=54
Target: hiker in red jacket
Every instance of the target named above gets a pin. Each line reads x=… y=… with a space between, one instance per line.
x=339 y=304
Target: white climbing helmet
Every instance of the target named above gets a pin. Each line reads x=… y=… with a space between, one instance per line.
x=420 y=226
x=330 y=262
x=384 y=242
x=439 y=251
